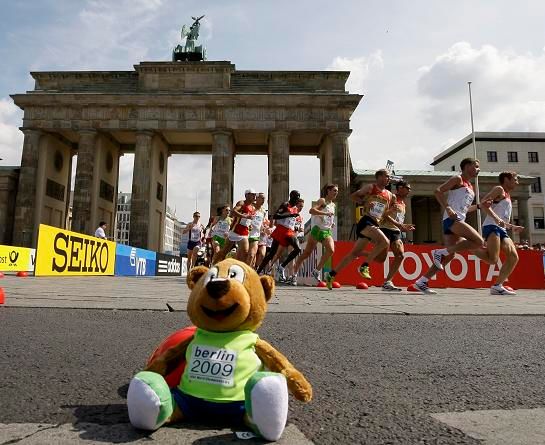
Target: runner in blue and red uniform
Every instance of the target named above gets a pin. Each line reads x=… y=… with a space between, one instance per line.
x=284 y=234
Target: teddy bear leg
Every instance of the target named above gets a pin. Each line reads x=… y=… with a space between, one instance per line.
x=149 y=401
x=266 y=401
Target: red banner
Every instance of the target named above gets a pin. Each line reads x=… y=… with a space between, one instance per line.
x=465 y=270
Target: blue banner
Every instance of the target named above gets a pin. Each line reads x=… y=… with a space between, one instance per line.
x=132 y=261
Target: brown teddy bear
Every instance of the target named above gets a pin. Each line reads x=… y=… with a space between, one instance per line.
x=230 y=374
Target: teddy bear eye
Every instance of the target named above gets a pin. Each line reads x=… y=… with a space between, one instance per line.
x=212 y=273
x=236 y=273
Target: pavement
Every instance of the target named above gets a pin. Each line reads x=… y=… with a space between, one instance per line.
x=490 y=426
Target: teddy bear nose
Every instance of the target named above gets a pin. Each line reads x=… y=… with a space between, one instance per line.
x=217 y=288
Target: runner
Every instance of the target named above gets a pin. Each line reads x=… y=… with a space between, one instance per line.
x=195 y=230
x=255 y=228
x=494 y=230
x=458 y=235
x=322 y=221
x=376 y=200
x=392 y=225
x=243 y=213
x=284 y=234
x=265 y=241
x=220 y=228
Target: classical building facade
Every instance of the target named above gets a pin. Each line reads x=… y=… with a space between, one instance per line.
x=161 y=108
x=515 y=151
x=424 y=211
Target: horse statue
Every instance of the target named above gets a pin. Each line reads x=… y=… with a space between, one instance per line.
x=190 y=51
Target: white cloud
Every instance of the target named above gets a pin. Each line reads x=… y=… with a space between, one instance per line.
x=359 y=67
x=508 y=89
x=11 y=139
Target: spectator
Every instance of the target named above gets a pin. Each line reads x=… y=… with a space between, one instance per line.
x=100 y=232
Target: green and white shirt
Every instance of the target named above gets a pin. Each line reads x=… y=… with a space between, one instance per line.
x=219 y=364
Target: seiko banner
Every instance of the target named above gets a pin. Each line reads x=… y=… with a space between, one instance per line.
x=17 y=259
x=61 y=252
x=131 y=261
x=168 y=265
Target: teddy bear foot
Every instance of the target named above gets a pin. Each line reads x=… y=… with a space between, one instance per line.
x=267 y=404
x=149 y=401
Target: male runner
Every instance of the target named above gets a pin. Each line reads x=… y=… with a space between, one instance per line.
x=284 y=234
x=494 y=230
x=322 y=220
x=392 y=225
x=242 y=213
x=376 y=200
x=458 y=235
x=196 y=231
x=220 y=228
x=255 y=228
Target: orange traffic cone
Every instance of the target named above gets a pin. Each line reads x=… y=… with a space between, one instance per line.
x=22 y=273
x=1 y=275
x=2 y=296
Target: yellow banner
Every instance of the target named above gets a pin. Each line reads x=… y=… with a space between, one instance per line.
x=360 y=210
x=61 y=252
x=16 y=259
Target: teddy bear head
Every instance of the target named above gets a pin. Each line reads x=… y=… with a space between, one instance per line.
x=230 y=296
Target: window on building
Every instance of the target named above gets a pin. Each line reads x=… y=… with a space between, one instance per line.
x=532 y=156
x=539 y=218
x=492 y=156
x=536 y=186
x=512 y=156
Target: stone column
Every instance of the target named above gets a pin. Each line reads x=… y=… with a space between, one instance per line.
x=83 y=187
x=524 y=220
x=141 y=190
x=409 y=216
x=223 y=157
x=341 y=176
x=279 y=169
x=25 y=226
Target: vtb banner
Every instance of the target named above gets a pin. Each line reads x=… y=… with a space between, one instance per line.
x=61 y=252
x=132 y=261
x=464 y=271
x=16 y=259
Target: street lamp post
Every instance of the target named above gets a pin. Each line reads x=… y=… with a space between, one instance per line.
x=477 y=197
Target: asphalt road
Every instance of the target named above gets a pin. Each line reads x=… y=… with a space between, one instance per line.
x=377 y=378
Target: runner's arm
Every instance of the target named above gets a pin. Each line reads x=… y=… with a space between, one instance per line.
x=317 y=209
x=440 y=194
x=187 y=228
x=359 y=195
x=487 y=201
x=235 y=211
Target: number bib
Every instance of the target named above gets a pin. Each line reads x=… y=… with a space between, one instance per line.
x=212 y=365
x=376 y=209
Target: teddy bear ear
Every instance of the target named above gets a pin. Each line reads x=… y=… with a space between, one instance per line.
x=194 y=275
x=268 y=286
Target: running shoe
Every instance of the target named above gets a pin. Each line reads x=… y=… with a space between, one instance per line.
x=424 y=288
x=280 y=274
x=389 y=286
x=364 y=272
x=292 y=281
x=329 y=281
x=437 y=257
x=498 y=289
x=316 y=274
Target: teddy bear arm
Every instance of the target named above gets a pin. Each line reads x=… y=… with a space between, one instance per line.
x=169 y=359
x=277 y=362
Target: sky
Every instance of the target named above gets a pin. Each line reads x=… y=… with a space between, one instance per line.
x=410 y=60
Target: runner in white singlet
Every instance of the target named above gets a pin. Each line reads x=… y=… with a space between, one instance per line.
x=495 y=226
x=255 y=228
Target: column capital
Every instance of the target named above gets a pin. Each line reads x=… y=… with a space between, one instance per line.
x=31 y=131
x=148 y=133
x=222 y=133
x=280 y=133
x=87 y=131
x=340 y=134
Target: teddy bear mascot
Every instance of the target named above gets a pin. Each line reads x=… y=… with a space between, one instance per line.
x=230 y=374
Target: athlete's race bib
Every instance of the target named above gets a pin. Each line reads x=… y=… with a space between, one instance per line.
x=212 y=365
x=376 y=210
x=245 y=222
x=328 y=220
x=400 y=217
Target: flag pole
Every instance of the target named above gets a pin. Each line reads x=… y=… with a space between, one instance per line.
x=477 y=197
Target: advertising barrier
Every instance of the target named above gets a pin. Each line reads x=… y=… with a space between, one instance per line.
x=61 y=252
x=131 y=261
x=464 y=271
x=168 y=265
x=17 y=259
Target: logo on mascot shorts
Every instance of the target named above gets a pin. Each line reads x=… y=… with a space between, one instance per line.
x=212 y=365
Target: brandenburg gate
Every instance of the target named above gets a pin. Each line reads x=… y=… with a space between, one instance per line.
x=163 y=108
